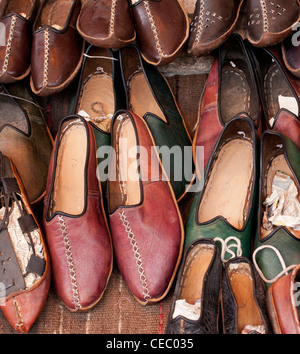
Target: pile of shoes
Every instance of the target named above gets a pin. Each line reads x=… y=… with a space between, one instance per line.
x=110 y=183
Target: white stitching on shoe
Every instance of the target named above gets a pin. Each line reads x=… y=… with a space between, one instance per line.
x=69 y=254
x=137 y=255
x=9 y=43
x=200 y=22
x=46 y=56
x=265 y=15
x=112 y=17
x=282 y=262
x=154 y=29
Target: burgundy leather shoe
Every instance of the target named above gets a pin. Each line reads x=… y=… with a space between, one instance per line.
x=57 y=48
x=162 y=29
x=74 y=219
x=17 y=17
x=270 y=22
x=213 y=22
x=283 y=303
x=279 y=91
x=147 y=234
x=106 y=23
x=24 y=260
x=231 y=90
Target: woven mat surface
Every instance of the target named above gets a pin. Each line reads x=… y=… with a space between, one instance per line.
x=117 y=312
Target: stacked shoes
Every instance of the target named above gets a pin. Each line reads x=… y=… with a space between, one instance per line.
x=109 y=196
x=245 y=216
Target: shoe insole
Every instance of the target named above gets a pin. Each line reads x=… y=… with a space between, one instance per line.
x=279 y=163
x=196 y=266
x=124 y=187
x=242 y=287
x=97 y=94
x=69 y=185
x=55 y=13
x=141 y=99
x=278 y=94
x=235 y=93
x=227 y=191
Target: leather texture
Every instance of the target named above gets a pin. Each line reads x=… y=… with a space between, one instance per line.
x=79 y=245
x=219 y=227
x=143 y=233
x=162 y=29
x=270 y=22
x=22 y=306
x=281 y=304
x=212 y=24
x=291 y=54
x=230 y=307
x=211 y=121
x=208 y=321
x=25 y=138
x=280 y=237
x=285 y=121
x=106 y=23
x=57 y=53
x=15 y=55
x=172 y=133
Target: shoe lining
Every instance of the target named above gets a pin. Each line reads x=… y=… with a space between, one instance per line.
x=241 y=282
x=227 y=192
x=124 y=187
x=97 y=101
x=196 y=266
x=69 y=184
x=278 y=94
x=235 y=93
x=277 y=163
x=141 y=99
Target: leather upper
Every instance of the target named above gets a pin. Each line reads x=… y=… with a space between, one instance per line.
x=80 y=246
x=270 y=22
x=143 y=234
x=213 y=22
x=162 y=28
x=106 y=23
x=56 y=54
x=25 y=138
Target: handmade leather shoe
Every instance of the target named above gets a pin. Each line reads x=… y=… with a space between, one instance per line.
x=291 y=54
x=270 y=22
x=244 y=308
x=25 y=137
x=149 y=96
x=224 y=208
x=142 y=232
x=100 y=94
x=74 y=219
x=279 y=91
x=25 y=265
x=17 y=17
x=106 y=24
x=277 y=243
x=212 y=24
x=283 y=303
x=196 y=300
x=162 y=29
x=231 y=90
x=57 y=48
